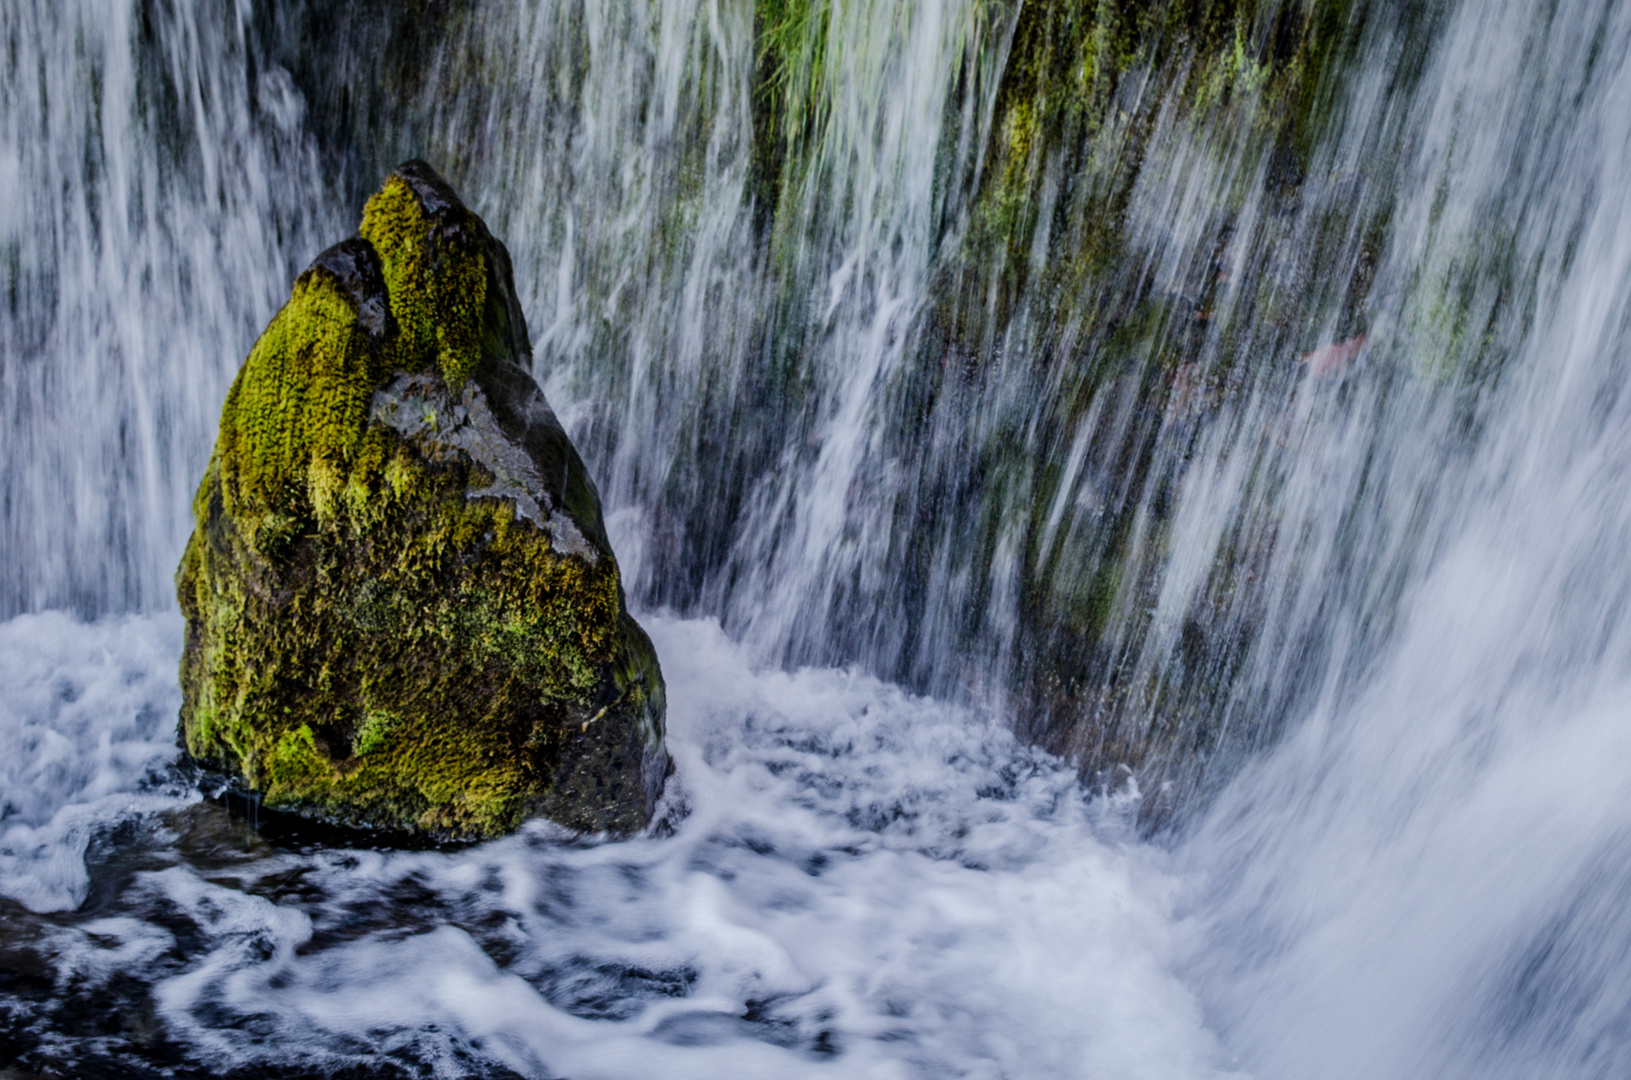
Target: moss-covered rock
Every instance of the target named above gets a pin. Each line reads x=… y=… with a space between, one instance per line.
x=402 y=609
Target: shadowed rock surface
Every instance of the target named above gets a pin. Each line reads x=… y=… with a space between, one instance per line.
x=402 y=609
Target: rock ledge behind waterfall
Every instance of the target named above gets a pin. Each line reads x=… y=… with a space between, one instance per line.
x=402 y=609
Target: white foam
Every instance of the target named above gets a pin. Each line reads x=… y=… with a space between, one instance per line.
x=87 y=714
x=858 y=882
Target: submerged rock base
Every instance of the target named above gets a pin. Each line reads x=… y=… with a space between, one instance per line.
x=402 y=609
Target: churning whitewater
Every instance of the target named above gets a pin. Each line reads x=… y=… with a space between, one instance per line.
x=1325 y=486
x=853 y=882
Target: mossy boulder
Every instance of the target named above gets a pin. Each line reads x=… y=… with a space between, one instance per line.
x=402 y=609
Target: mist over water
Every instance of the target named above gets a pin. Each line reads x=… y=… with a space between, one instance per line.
x=1379 y=593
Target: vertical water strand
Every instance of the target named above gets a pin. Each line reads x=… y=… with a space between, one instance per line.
x=1242 y=532
x=726 y=216
x=1427 y=878
x=161 y=193
x=854 y=247
x=612 y=150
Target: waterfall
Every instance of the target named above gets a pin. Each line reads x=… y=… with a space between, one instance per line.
x=828 y=299
x=1143 y=477
x=161 y=196
x=1438 y=845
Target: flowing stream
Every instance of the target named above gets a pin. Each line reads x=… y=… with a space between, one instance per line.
x=1207 y=659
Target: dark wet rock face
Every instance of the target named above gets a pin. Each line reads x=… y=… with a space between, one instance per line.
x=402 y=609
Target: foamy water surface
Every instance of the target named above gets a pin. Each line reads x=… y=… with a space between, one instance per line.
x=848 y=880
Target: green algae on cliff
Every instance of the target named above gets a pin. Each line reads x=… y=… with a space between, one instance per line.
x=402 y=609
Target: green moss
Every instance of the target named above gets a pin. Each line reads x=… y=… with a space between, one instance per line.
x=366 y=641
x=294 y=419
x=412 y=664
x=296 y=412
x=791 y=100
x=375 y=732
x=436 y=277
